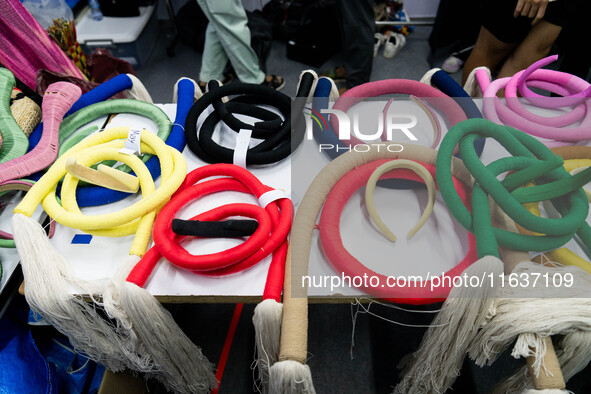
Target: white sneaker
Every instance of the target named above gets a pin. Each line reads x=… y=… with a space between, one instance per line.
x=394 y=43
x=379 y=39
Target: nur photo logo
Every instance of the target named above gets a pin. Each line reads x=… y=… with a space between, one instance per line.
x=391 y=126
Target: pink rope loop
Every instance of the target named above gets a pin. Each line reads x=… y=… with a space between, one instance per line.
x=514 y=114
x=581 y=87
x=439 y=100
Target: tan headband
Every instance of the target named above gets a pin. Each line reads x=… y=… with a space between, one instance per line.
x=371 y=186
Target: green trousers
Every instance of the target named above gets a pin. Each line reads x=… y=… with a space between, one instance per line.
x=228 y=38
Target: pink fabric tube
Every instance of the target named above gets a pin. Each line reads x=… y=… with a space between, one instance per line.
x=58 y=99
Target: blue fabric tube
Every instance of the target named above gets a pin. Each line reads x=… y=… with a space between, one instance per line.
x=325 y=137
x=101 y=93
x=97 y=195
x=442 y=81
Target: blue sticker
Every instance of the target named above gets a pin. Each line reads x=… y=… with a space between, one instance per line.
x=83 y=239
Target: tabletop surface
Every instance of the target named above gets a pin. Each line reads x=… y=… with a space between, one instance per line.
x=436 y=248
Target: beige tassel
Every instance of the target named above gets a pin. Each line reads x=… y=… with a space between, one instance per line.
x=471 y=86
x=267 y=328
x=426 y=79
x=197 y=95
x=50 y=291
x=437 y=363
x=138 y=91
x=290 y=377
x=180 y=364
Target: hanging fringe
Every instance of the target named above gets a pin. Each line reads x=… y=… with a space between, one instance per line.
x=290 y=377
x=138 y=91
x=574 y=352
x=437 y=363
x=267 y=328
x=50 y=292
x=525 y=315
x=180 y=364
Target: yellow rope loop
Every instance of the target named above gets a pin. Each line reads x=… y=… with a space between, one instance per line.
x=135 y=219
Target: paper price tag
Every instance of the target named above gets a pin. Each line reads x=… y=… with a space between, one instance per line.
x=133 y=143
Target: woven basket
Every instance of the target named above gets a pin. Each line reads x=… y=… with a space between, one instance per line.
x=25 y=111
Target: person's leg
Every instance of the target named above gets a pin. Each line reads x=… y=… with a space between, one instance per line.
x=358 y=28
x=488 y=51
x=534 y=47
x=213 y=59
x=229 y=20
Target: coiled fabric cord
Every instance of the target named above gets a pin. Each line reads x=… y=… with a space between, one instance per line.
x=130 y=341
x=531 y=160
x=280 y=137
x=344 y=262
x=175 y=137
x=324 y=134
x=270 y=237
x=568 y=127
x=290 y=373
x=186 y=89
x=457 y=324
x=274 y=222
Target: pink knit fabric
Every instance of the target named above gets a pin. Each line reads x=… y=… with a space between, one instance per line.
x=26 y=48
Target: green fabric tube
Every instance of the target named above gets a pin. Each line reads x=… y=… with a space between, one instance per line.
x=70 y=142
x=533 y=161
x=552 y=190
x=81 y=117
x=14 y=141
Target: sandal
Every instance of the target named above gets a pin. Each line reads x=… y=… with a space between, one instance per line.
x=228 y=78
x=274 y=82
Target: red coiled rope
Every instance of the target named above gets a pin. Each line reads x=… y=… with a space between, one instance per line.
x=270 y=237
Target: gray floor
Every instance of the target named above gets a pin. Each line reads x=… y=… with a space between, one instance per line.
x=369 y=366
x=161 y=72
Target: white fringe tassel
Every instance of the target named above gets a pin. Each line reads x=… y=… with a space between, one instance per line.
x=526 y=314
x=181 y=366
x=267 y=328
x=437 y=363
x=471 y=86
x=138 y=91
x=426 y=79
x=50 y=292
x=334 y=91
x=290 y=377
x=198 y=93
x=313 y=89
